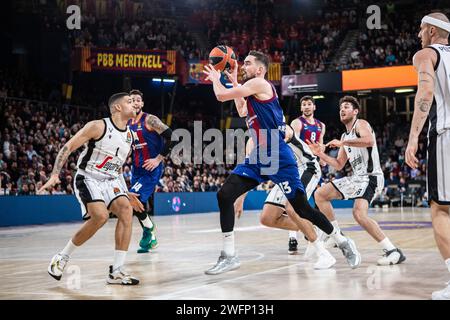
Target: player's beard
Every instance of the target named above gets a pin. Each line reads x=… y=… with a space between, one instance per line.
x=246 y=77
x=346 y=120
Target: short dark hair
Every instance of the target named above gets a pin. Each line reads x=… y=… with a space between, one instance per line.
x=307 y=98
x=351 y=100
x=261 y=57
x=115 y=97
x=137 y=92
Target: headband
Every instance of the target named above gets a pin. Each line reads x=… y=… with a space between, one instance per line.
x=437 y=23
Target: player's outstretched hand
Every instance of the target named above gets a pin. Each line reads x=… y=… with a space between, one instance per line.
x=54 y=180
x=239 y=206
x=151 y=164
x=335 y=143
x=233 y=75
x=211 y=73
x=134 y=201
x=315 y=147
x=410 y=154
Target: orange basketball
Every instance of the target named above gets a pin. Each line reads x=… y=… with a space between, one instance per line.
x=222 y=57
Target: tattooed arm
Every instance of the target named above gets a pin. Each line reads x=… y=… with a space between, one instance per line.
x=154 y=123
x=92 y=130
x=424 y=62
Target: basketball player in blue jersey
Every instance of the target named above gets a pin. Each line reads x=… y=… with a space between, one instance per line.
x=257 y=100
x=152 y=143
x=307 y=128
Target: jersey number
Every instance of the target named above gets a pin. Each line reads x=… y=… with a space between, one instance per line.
x=117 y=152
x=137 y=186
x=313 y=137
x=285 y=187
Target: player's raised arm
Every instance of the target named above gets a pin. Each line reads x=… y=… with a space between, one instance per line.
x=424 y=62
x=154 y=123
x=251 y=87
x=92 y=130
x=240 y=103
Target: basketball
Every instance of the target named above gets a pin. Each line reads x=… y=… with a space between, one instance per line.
x=222 y=57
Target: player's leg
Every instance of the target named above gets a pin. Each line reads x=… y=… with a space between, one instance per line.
x=97 y=217
x=323 y=197
x=234 y=186
x=393 y=255
x=89 y=193
x=324 y=258
x=289 y=181
x=145 y=185
x=121 y=207
x=274 y=216
x=440 y=217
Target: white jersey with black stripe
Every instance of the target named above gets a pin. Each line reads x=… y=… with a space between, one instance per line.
x=103 y=158
x=302 y=152
x=440 y=111
x=364 y=161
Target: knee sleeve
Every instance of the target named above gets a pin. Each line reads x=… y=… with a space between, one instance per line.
x=233 y=187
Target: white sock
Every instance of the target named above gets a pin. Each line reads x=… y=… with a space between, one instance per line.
x=387 y=244
x=147 y=223
x=335 y=224
x=228 y=243
x=318 y=245
x=337 y=236
x=447 y=263
x=69 y=248
x=293 y=234
x=119 y=258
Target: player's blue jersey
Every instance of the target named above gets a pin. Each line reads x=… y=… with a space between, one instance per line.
x=265 y=116
x=147 y=143
x=311 y=132
x=268 y=115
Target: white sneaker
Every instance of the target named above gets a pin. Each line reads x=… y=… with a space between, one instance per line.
x=391 y=257
x=351 y=253
x=224 y=264
x=310 y=251
x=325 y=261
x=443 y=294
x=329 y=242
x=57 y=265
x=120 y=276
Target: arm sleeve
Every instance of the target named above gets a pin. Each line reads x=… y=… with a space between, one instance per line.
x=168 y=143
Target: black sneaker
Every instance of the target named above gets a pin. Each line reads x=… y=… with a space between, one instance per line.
x=292 y=246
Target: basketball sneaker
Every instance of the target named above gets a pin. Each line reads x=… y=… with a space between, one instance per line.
x=57 y=265
x=148 y=240
x=224 y=264
x=310 y=251
x=325 y=261
x=120 y=276
x=350 y=252
x=329 y=242
x=293 y=244
x=391 y=257
x=443 y=294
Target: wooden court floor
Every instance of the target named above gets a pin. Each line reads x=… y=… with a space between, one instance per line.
x=190 y=244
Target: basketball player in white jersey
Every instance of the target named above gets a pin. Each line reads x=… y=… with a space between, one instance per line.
x=278 y=213
x=358 y=146
x=432 y=64
x=100 y=186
